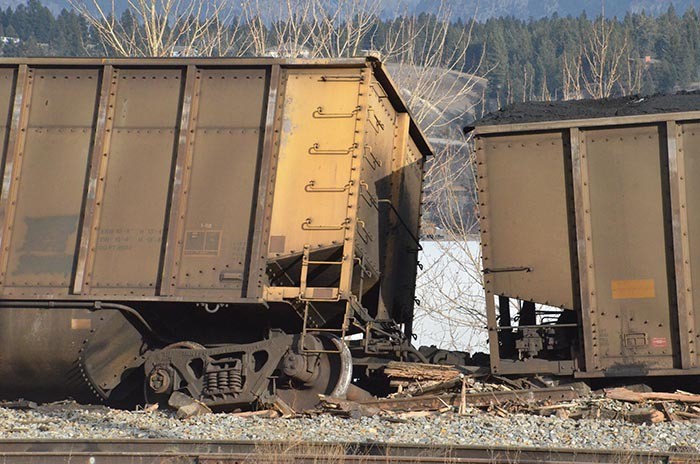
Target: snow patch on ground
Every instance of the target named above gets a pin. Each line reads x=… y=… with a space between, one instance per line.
x=452 y=312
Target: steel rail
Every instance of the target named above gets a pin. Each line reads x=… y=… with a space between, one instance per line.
x=228 y=452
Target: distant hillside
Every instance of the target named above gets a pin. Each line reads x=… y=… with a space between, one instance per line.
x=484 y=9
x=524 y=9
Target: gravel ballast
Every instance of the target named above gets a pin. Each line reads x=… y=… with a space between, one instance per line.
x=72 y=421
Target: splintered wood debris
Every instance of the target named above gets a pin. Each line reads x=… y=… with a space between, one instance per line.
x=428 y=390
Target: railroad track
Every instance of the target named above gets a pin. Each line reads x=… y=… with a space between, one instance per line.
x=233 y=452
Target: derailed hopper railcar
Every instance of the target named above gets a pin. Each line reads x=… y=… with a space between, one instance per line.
x=209 y=226
x=590 y=230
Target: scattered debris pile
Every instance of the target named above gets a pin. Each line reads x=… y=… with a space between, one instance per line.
x=425 y=390
x=428 y=390
x=655 y=407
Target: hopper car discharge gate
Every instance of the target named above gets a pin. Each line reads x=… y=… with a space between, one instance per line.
x=215 y=227
x=590 y=233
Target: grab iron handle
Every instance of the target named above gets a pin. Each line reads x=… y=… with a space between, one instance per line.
x=315 y=150
x=311 y=188
x=307 y=225
x=341 y=78
x=498 y=270
x=363 y=233
x=374 y=163
x=319 y=114
x=385 y=201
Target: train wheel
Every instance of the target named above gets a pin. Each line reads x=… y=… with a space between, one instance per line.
x=324 y=368
x=158 y=385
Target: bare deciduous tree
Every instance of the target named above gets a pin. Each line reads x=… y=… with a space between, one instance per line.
x=602 y=68
x=430 y=73
x=164 y=27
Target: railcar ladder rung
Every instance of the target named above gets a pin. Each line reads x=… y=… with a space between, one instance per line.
x=306 y=330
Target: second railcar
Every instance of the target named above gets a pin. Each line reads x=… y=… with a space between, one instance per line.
x=590 y=236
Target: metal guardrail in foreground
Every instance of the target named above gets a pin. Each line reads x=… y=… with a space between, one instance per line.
x=238 y=452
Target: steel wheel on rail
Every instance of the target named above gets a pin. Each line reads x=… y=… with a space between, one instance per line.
x=158 y=383
x=323 y=367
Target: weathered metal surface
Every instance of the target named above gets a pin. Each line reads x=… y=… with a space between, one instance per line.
x=52 y=355
x=632 y=224
x=631 y=247
x=213 y=201
x=690 y=144
x=526 y=180
x=586 y=268
x=681 y=244
x=181 y=181
x=195 y=177
x=95 y=182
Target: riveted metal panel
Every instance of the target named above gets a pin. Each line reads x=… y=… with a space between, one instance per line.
x=635 y=326
x=220 y=197
x=7 y=87
x=56 y=147
x=690 y=138
x=380 y=169
x=635 y=193
x=528 y=218
x=94 y=191
x=315 y=156
x=584 y=248
x=207 y=174
x=139 y=161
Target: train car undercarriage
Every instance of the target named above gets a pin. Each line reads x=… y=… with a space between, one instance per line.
x=113 y=354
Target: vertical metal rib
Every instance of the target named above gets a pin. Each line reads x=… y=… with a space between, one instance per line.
x=258 y=250
x=181 y=178
x=361 y=120
x=681 y=245
x=485 y=231
x=96 y=179
x=13 y=164
x=582 y=207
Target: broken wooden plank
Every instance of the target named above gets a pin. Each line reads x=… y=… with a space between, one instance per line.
x=441 y=386
x=668 y=411
x=623 y=394
x=263 y=413
x=417 y=371
x=283 y=408
x=433 y=402
x=687 y=415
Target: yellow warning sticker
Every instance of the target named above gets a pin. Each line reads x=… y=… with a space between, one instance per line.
x=80 y=324
x=629 y=289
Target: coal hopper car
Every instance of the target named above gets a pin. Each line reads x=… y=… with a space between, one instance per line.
x=215 y=227
x=590 y=230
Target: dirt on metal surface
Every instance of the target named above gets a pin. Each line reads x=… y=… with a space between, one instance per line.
x=632 y=105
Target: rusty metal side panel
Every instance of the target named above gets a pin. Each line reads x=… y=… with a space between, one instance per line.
x=220 y=195
x=7 y=86
x=630 y=234
x=139 y=160
x=55 y=151
x=408 y=206
x=528 y=254
x=314 y=187
x=385 y=140
x=12 y=90
x=690 y=139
